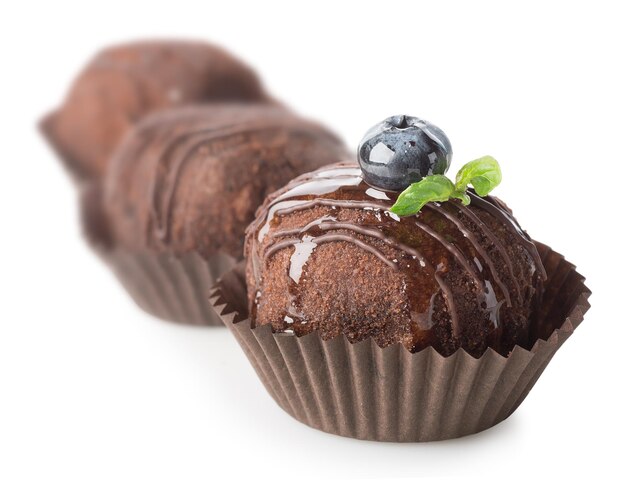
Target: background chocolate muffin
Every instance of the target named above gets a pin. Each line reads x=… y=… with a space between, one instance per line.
x=122 y=84
x=326 y=254
x=180 y=191
x=191 y=179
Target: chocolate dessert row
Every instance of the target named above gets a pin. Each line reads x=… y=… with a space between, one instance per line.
x=173 y=146
x=375 y=297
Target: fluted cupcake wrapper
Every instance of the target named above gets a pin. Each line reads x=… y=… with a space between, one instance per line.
x=389 y=394
x=169 y=286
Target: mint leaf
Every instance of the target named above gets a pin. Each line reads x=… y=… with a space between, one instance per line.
x=433 y=188
x=484 y=174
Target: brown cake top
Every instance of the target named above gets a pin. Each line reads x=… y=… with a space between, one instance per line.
x=191 y=179
x=326 y=253
x=124 y=83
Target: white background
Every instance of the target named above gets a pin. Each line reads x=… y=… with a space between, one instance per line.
x=93 y=391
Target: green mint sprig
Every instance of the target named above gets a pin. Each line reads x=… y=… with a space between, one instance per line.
x=483 y=174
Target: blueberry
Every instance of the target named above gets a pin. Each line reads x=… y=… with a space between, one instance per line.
x=402 y=150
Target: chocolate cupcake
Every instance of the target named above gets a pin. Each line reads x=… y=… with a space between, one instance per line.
x=123 y=84
x=182 y=188
x=409 y=316
x=452 y=277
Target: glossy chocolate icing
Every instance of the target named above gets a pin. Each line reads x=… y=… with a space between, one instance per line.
x=424 y=250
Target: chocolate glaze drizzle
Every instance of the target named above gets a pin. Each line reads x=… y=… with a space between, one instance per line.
x=386 y=237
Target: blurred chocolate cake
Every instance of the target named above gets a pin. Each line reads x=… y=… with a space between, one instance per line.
x=123 y=84
x=191 y=179
x=181 y=189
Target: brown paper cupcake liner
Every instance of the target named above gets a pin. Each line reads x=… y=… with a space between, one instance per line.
x=168 y=286
x=389 y=394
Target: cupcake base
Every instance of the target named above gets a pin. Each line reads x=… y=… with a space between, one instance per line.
x=171 y=287
x=389 y=394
